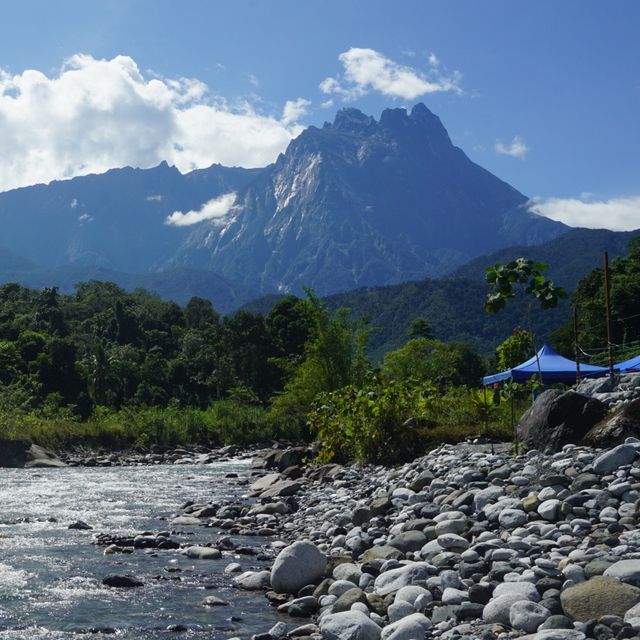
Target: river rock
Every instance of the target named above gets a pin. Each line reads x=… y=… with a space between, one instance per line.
x=203 y=553
x=349 y=625
x=297 y=565
x=408 y=541
x=597 y=597
x=381 y=552
x=214 y=601
x=558 y=418
x=410 y=627
x=122 y=581
x=253 y=580
x=395 y=579
x=614 y=429
x=527 y=616
x=497 y=610
x=626 y=571
x=349 y=598
x=39 y=457
x=610 y=460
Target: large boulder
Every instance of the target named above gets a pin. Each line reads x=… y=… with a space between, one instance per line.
x=39 y=457
x=557 y=418
x=296 y=566
x=599 y=597
x=410 y=627
x=614 y=429
x=349 y=625
x=13 y=453
x=394 y=579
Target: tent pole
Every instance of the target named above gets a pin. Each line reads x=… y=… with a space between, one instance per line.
x=575 y=342
x=607 y=302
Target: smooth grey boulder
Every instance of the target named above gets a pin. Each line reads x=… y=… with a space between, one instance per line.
x=408 y=628
x=498 y=609
x=13 y=453
x=633 y=616
x=395 y=579
x=122 y=581
x=349 y=625
x=557 y=418
x=527 y=616
x=40 y=458
x=614 y=429
x=253 y=580
x=297 y=565
x=626 y=571
x=619 y=456
x=203 y=553
x=408 y=541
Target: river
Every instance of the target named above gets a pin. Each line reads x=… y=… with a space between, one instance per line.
x=51 y=576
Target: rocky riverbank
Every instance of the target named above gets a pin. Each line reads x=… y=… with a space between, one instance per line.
x=468 y=541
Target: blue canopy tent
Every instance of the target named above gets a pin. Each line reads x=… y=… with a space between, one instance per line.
x=550 y=367
x=629 y=366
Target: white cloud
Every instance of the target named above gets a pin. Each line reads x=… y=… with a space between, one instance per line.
x=154 y=198
x=433 y=60
x=294 y=110
x=217 y=209
x=366 y=70
x=618 y=214
x=98 y=114
x=253 y=79
x=517 y=148
x=74 y=203
x=85 y=217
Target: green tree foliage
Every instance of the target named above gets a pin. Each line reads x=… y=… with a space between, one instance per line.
x=436 y=362
x=334 y=357
x=503 y=278
x=517 y=348
x=589 y=299
x=420 y=328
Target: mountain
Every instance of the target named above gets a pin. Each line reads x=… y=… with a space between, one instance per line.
x=358 y=202
x=362 y=202
x=453 y=306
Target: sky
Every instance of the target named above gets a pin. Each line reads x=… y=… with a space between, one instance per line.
x=544 y=94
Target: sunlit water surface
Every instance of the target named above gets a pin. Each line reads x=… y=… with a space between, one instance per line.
x=51 y=577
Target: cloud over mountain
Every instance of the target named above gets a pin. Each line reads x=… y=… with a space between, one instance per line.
x=618 y=214
x=98 y=114
x=216 y=209
x=367 y=70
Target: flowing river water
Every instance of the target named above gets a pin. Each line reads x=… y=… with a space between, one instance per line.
x=51 y=576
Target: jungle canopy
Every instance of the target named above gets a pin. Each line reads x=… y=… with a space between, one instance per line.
x=550 y=367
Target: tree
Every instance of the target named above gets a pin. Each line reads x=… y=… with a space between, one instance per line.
x=504 y=278
x=442 y=364
x=420 y=328
x=515 y=349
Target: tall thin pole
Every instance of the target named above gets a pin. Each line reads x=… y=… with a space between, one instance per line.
x=575 y=342
x=607 y=303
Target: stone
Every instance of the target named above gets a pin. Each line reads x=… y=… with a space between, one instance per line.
x=410 y=627
x=398 y=610
x=38 y=457
x=558 y=418
x=253 y=580
x=203 y=553
x=122 y=581
x=527 y=616
x=404 y=576
x=626 y=571
x=348 y=625
x=497 y=610
x=349 y=598
x=512 y=518
x=597 y=597
x=615 y=429
x=297 y=565
x=13 y=453
x=610 y=460
x=361 y=515
x=632 y=616
x=525 y=590
x=411 y=593
x=408 y=541
x=80 y=526
x=281 y=489
x=262 y=484
x=549 y=509
x=381 y=552
x=214 y=601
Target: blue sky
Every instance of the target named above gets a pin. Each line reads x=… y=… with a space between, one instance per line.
x=544 y=94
